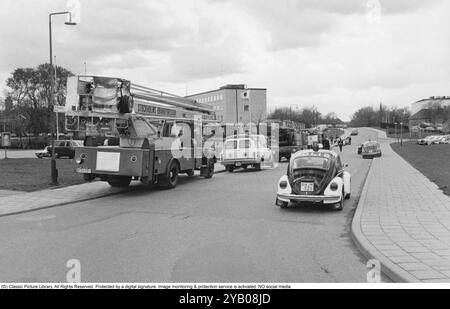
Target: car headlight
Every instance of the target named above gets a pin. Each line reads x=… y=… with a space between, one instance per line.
x=283 y=184
x=79 y=161
x=334 y=186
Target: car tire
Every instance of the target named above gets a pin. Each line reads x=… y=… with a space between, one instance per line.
x=340 y=206
x=282 y=205
x=258 y=167
x=190 y=173
x=119 y=182
x=230 y=169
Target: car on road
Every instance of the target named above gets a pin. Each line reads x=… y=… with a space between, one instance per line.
x=371 y=149
x=65 y=148
x=314 y=176
x=354 y=132
x=43 y=153
x=243 y=151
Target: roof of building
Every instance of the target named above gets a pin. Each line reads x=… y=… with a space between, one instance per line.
x=226 y=87
x=434 y=99
x=420 y=115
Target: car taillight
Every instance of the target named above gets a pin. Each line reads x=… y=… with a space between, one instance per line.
x=334 y=186
x=283 y=184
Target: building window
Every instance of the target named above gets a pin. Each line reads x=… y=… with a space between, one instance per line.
x=246 y=108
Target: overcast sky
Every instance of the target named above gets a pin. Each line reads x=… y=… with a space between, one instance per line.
x=336 y=55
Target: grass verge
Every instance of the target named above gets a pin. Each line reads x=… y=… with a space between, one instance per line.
x=34 y=174
x=433 y=161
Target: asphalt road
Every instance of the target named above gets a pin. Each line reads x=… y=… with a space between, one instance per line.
x=226 y=229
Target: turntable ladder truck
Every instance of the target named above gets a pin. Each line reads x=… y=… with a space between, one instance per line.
x=160 y=134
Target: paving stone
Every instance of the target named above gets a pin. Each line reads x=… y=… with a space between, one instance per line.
x=416 y=249
x=428 y=274
x=442 y=252
x=414 y=266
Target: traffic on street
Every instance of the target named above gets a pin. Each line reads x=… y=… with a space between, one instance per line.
x=203 y=145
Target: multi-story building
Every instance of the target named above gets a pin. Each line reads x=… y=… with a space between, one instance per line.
x=236 y=103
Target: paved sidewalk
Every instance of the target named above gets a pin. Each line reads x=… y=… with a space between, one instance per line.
x=403 y=220
x=4 y=193
x=24 y=202
x=14 y=202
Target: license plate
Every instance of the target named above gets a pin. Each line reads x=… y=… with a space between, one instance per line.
x=307 y=186
x=84 y=170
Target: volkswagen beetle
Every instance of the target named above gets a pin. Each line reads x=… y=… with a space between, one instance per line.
x=315 y=176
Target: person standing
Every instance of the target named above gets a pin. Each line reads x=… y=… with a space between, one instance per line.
x=326 y=144
x=340 y=144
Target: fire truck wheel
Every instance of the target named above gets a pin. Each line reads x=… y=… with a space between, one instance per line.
x=121 y=182
x=170 y=179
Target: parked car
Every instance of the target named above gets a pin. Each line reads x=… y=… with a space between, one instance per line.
x=314 y=176
x=439 y=140
x=371 y=150
x=426 y=141
x=43 y=153
x=65 y=148
x=445 y=139
x=242 y=151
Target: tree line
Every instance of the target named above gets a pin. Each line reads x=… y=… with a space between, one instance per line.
x=368 y=116
x=383 y=116
x=26 y=107
x=310 y=116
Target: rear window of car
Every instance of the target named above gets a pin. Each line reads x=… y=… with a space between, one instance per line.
x=245 y=144
x=312 y=162
x=231 y=145
x=371 y=145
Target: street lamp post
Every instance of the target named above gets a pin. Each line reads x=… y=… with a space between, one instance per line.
x=396 y=132
x=54 y=171
x=401 y=134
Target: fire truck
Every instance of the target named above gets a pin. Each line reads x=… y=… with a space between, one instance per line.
x=159 y=134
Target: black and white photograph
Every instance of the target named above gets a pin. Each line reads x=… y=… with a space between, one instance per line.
x=252 y=145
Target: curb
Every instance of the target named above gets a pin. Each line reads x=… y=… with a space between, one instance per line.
x=19 y=212
x=390 y=269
